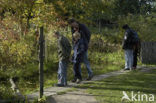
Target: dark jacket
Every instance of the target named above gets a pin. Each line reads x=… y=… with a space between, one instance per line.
x=137 y=42
x=85 y=33
x=128 y=42
x=64 y=48
x=79 y=49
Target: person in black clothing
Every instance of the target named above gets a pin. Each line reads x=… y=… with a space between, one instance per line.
x=79 y=49
x=128 y=46
x=131 y=45
x=86 y=35
x=136 y=52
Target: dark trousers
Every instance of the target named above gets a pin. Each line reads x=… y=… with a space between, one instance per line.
x=135 y=54
x=77 y=70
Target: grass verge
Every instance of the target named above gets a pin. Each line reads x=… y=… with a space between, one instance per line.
x=110 y=90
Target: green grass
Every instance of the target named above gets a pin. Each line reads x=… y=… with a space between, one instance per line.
x=5 y=91
x=110 y=90
x=68 y=90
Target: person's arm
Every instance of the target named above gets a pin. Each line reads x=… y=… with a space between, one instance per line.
x=88 y=35
x=80 y=52
x=85 y=32
x=72 y=31
x=124 y=43
x=81 y=49
x=62 y=49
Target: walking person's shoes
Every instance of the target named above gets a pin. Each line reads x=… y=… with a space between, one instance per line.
x=90 y=77
x=59 y=85
x=78 y=81
x=74 y=80
x=134 y=68
x=126 y=69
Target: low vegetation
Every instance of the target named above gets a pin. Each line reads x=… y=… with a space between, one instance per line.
x=110 y=90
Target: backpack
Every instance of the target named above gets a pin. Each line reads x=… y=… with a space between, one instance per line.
x=134 y=37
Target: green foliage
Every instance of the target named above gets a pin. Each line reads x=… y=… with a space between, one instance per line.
x=6 y=92
x=41 y=100
x=144 y=25
x=14 y=53
x=124 y=7
x=20 y=21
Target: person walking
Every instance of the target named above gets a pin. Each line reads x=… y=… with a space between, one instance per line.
x=86 y=35
x=79 y=50
x=128 y=46
x=137 y=47
x=64 y=51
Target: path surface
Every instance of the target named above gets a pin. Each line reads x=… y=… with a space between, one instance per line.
x=79 y=95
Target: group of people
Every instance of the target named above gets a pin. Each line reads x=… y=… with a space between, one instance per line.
x=131 y=45
x=80 y=40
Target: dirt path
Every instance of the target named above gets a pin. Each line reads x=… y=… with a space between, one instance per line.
x=78 y=96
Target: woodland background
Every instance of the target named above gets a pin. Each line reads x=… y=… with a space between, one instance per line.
x=19 y=25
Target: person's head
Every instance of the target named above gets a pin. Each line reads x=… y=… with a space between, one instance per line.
x=125 y=27
x=76 y=28
x=73 y=23
x=76 y=36
x=56 y=34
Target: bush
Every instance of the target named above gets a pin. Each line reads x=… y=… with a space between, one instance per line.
x=6 y=92
x=14 y=54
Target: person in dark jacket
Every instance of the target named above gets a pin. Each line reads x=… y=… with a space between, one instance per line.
x=86 y=35
x=64 y=51
x=128 y=46
x=79 y=50
x=136 y=52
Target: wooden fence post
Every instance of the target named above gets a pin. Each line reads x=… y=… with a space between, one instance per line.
x=41 y=61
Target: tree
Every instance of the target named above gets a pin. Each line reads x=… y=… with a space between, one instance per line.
x=124 y=7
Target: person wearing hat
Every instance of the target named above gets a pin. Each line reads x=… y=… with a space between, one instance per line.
x=64 y=51
x=86 y=35
x=79 y=50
